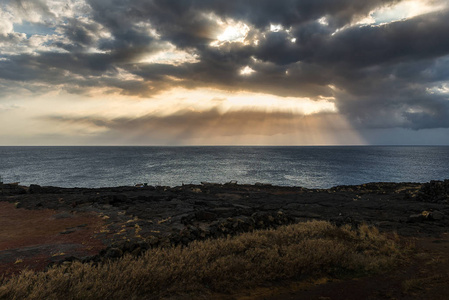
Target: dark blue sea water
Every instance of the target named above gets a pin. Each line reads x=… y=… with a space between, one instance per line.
x=311 y=167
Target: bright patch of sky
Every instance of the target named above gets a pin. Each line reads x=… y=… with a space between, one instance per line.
x=246 y=71
x=279 y=28
x=6 y=21
x=442 y=89
x=49 y=13
x=266 y=102
x=115 y=105
x=308 y=129
x=403 y=10
x=171 y=56
x=27 y=120
x=323 y=21
x=276 y=27
x=68 y=8
x=204 y=99
x=19 y=43
x=33 y=28
x=232 y=32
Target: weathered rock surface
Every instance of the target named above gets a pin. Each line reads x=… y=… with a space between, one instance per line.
x=435 y=191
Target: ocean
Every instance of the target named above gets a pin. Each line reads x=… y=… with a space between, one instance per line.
x=310 y=167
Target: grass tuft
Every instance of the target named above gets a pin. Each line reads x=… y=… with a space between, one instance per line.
x=305 y=250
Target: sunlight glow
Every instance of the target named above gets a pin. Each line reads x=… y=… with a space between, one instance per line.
x=170 y=56
x=233 y=32
x=276 y=27
x=226 y=118
x=398 y=12
x=124 y=75
x=401 y=11
x=304 y=106
x=246 y=71
x=323 y=21
x=442 y=89
x=202 y=99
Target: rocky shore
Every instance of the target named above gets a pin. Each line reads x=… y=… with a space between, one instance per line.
x=134 y=219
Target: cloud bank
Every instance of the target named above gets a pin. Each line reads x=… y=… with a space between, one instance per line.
x=383 y=63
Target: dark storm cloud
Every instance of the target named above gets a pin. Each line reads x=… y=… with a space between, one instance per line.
x=80 y=34
x=408 y=94
x=51 y=66
x=417 y=38
x=262 y=13
x=384 y=75
x=301 y=80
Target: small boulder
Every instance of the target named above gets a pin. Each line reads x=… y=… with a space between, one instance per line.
x=113 y=253
x=436 y=216
x=35 y=189
x=205 y=216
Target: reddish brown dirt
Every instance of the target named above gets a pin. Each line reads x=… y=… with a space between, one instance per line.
x=424 y=276
x=34 y=238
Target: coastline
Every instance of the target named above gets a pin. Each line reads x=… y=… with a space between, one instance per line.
x=212 y=210
x=107 y=223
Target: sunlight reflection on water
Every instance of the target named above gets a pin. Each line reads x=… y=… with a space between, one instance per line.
x=311 y=167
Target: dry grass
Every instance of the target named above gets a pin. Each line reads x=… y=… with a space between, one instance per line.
x=413 y=285
x=250 y=259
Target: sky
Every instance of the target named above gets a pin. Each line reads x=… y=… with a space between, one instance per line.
x=224 y=72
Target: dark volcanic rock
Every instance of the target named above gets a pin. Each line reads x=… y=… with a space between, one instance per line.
x=35 y=189
x=113 y=253
x=139 y=218
x=434 y=191
x=12 y=189
x=205 y=216
x=436 y=216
